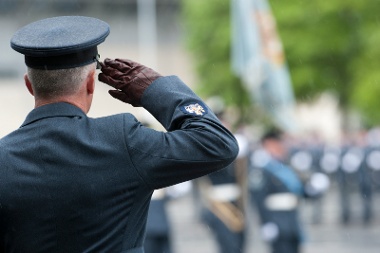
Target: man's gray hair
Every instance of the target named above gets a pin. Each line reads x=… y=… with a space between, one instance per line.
x=56 y=83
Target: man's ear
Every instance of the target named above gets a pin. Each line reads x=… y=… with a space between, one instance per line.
x=91 y=82
x=28 y=84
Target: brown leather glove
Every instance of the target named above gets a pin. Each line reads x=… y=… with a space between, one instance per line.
x=129 y=78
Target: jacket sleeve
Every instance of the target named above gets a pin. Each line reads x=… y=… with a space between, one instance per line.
x=195 y=144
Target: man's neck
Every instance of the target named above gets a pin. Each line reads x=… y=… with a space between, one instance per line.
x=76 y=102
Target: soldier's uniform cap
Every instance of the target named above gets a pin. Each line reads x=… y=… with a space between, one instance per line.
x=60 y=42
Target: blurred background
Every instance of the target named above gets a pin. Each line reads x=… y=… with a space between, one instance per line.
x=307 y=68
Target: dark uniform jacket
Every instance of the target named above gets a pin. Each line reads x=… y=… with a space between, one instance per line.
x=70 y=183
x=272 y=179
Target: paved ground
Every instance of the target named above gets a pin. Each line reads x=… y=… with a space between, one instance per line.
x=327 y=237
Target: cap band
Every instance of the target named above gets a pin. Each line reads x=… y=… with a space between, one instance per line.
x=66 y=61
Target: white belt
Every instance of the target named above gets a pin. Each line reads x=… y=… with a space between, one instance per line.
x=281 y=202
x=224 y=192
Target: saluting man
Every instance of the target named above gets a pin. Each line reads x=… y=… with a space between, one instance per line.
x=71 y=183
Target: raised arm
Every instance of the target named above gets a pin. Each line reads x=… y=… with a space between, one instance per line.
x=195 y=144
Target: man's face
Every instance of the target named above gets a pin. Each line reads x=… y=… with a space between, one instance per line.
x=275 y=148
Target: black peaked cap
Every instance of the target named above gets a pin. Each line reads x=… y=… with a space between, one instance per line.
x=60 y=42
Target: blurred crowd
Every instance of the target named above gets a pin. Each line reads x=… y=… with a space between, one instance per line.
x=353 y=165
x=274 y=175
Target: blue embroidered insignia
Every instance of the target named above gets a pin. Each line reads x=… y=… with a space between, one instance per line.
x=196 y=109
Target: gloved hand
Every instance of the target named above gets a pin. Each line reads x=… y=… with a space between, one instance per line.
x=269 y=232
x=129 y=78
x=318 y=184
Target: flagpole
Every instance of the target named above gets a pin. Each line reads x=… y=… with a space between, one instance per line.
x=147 y=32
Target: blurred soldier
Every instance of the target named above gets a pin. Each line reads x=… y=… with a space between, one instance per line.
x=305 y=160
x=369 y=172
x=354 y=177
x=275 y=192
x=373 y=158
x=330 y=159
x=223 y=196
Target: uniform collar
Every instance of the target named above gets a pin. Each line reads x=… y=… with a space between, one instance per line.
x=61 y=109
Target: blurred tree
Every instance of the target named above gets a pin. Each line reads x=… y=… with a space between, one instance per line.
x=330 y=46
x=207 y=27
x=333 y=46
x=366 y=66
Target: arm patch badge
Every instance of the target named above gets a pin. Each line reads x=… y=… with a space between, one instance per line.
x=197 y=109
